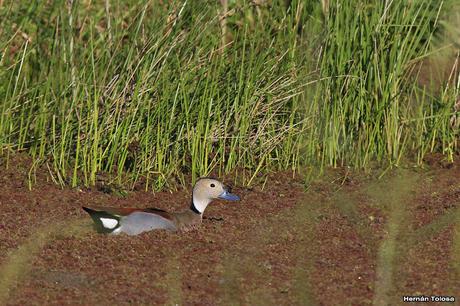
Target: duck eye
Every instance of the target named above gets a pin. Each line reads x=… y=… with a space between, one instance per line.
x=212 y=185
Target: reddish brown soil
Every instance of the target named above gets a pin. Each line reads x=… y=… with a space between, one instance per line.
x=337 y=242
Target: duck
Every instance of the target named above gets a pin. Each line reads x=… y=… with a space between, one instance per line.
x=134 y=221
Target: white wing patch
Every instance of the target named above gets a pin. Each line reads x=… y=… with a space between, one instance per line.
x=109 y=223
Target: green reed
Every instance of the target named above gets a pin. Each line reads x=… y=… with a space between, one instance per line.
x=146 y=91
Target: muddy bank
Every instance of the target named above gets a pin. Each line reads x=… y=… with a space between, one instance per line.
x=345 y=239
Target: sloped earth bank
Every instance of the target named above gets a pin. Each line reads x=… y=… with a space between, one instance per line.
x=347 y=239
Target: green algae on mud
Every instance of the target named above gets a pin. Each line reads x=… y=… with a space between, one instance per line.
x=455 y=254
x=19 y=261
x=173 y=281
x=305 y=217
x=392 y=196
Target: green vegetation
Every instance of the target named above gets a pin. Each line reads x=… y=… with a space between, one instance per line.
x=151 y=90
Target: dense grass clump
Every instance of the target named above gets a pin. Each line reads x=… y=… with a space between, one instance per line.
x=371 y=107
x=150 y=90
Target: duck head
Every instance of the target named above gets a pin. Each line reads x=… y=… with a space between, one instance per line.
x=208 y=189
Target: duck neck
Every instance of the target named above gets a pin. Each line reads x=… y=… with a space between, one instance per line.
x=199 y=205
x=194 y=209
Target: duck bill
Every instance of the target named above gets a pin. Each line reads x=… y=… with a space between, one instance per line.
x=229 y=196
